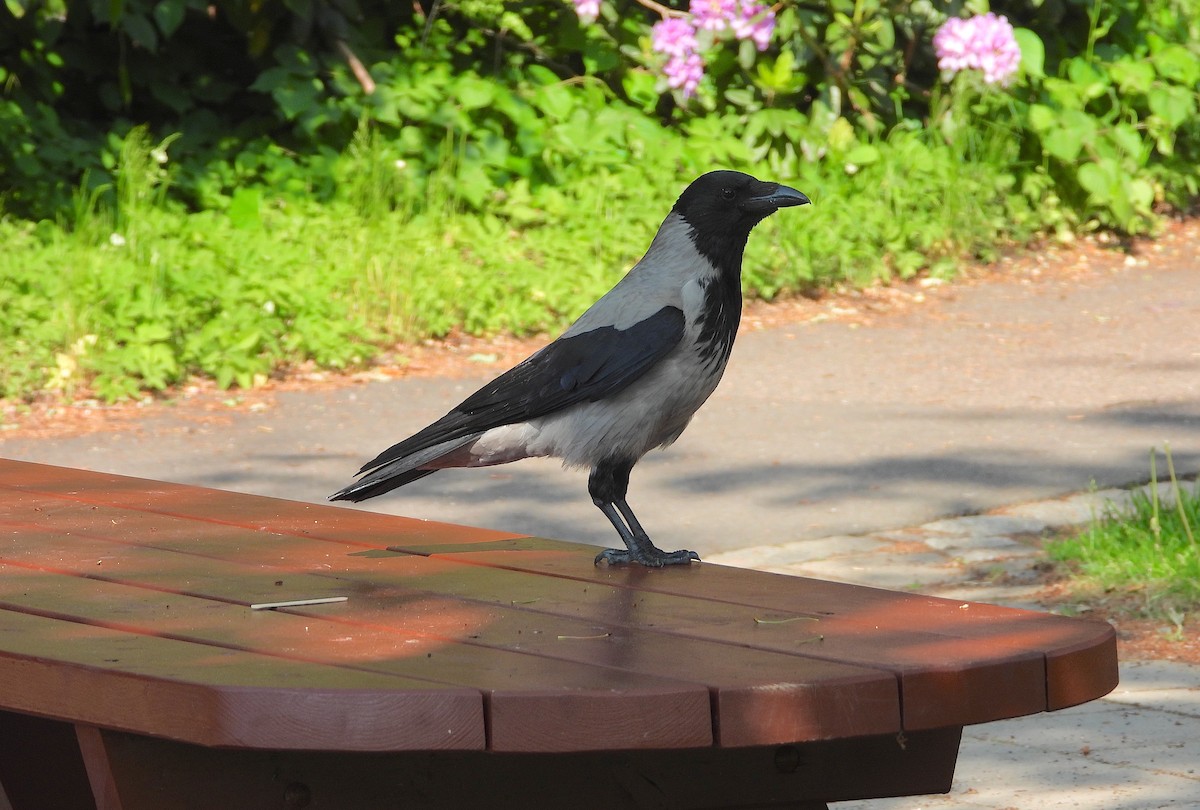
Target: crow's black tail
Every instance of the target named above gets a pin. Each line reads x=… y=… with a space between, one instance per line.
x=368 y=488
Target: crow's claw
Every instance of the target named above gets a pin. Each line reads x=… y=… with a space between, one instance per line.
x=652 y=558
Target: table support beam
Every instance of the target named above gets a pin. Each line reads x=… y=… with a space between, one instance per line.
x=132 y=772
x=40 y=765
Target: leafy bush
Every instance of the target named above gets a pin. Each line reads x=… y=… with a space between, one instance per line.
x=224 y=189
x=504 y=92
x=146 y=294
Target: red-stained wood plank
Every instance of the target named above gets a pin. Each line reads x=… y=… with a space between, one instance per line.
x=973 y=668
x=803 y=700
x=1066 y=645
x=535 y=555
x=943 y=683
x=238 y=509
x=218 y=696
x=1077 y=673
x=663 y=712
x=759 y=697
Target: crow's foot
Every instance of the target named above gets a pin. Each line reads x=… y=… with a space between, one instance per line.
x=651 y=558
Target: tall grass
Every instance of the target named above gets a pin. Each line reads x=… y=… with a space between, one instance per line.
x=1148 y=552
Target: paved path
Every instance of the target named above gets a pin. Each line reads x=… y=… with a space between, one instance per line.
x=1134 y=750
x=823 y=436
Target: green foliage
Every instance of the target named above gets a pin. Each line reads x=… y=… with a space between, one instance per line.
x=270 y=93
x=1110 y=122
x=1149 y=551
x=141 y=295
x=194 y=188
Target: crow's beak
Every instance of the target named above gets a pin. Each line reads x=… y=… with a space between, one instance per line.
x=773 y=197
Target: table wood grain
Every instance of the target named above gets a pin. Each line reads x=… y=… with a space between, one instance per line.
x=125 y=606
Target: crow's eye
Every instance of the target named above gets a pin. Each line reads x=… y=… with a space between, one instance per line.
x=728 y=193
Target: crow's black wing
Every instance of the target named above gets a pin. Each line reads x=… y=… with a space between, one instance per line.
x=580 y=368
x=585 y=367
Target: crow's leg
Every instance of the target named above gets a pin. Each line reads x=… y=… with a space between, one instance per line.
x=608 y=484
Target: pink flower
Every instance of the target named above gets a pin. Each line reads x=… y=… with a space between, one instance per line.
x=984 y=42
x=714 y=15
x=684 y=73
x=676 y=38
x=673 y=36
x=754 y=22
x=588 y=10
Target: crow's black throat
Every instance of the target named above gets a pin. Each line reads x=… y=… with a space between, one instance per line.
x=720 y=317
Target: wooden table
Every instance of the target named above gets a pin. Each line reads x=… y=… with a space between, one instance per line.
x=466 y=668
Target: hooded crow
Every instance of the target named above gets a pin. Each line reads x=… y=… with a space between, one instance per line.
x=623 y=379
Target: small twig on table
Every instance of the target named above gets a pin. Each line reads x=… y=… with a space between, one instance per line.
x=324 y=600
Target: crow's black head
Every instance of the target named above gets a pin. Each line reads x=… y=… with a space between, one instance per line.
x=732 y=201
x=722 y=207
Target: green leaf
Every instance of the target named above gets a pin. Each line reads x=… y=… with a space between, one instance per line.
x=301 y=8
x=151 y=333
x=1179 y=64
x=1128 y=141
x=742 y=97
x=1072 y=131
x=244 y=209
x=542 y=75
x=1090 y=81
x=863 y=154
x=554 y=100
x=1132 y=76
x=1063 y=144
x=140 y=31
x=1100 y=179
x=297 y=97
x=1033 y=52
x=1141 y=194
x=639 y=86
x=514 y=22
x=1066 y=95
x=841 y=134
x=598 y=56
x=270 y=79
x=474 y=93
x=248 y=343
x=747 y=54
x=784 y=67
x=168 y=15
x=1171 y=103
x=1041 y=117
x=171 y=94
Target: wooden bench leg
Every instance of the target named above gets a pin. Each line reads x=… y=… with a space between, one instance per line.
x=40 y=765
x=150 y=774
x=99 y=770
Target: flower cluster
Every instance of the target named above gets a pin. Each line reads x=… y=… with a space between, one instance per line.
x=984 y=42
x=676 y=35
x=675 y=38
x=588 y=10
x=747 y=19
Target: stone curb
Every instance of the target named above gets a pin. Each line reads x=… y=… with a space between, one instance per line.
x=992 y=557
